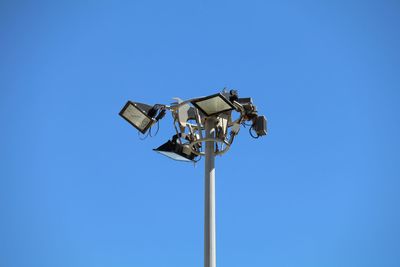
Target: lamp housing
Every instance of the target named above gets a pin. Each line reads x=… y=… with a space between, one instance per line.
x=213 y=104
x=260 y=125
x=176 y=151
x=137 y=114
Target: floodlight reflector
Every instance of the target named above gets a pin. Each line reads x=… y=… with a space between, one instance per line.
x=176 y=151
x=213 y=104
x=136 y=116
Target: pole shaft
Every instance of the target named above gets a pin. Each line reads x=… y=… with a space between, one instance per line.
x=209 y=197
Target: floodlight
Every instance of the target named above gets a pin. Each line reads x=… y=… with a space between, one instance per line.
x=245 y=100
x=260 y=125
x=176 y=151
x=213 y=104
x=137 y=114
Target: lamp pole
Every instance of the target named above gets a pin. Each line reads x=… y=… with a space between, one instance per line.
x=206 y=112
x=209 y=196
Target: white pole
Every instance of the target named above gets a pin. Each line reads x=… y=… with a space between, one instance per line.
x=209 y=197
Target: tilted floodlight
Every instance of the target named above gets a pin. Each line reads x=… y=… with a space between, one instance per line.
x=213 y=104
x=176 y=151
x=141 y=116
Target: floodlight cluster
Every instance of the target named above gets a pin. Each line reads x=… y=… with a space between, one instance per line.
x=189 y=119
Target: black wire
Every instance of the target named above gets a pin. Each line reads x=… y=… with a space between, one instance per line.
x=251 y=134
x=158 y=128
x=195 y=161
x=245 y=124
x=145 y=136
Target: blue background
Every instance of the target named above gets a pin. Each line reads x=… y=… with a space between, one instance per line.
x=78 y=187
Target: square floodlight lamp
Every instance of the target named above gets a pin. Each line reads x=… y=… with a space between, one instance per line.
x=261 y=125
x=136 y=116
x=213 y=104
x=176 y=151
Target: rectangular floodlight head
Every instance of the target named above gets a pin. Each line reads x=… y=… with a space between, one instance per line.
x=213 y=104
x=176 y=151
x=261 y=125
x=245 y=100
x=136 y=116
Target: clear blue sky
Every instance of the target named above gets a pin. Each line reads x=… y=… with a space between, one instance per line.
x=79 y=189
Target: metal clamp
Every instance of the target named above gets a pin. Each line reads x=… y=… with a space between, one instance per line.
x=193 y=143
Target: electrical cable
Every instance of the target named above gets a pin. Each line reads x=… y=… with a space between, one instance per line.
x=158 y=128
x=195 y=161
x=144 y=136
x=245 y=124
x=251 y=134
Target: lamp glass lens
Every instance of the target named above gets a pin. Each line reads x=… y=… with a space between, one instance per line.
x=213 y=105
x=173 y=155
x=136 y=117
